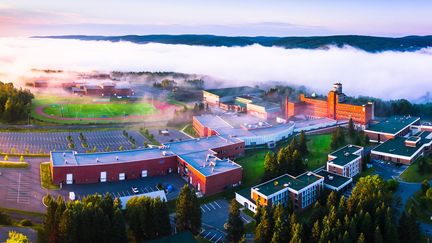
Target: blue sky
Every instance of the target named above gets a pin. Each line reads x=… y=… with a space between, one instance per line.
x=275 y=18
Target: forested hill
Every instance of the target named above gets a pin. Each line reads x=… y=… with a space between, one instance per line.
x=367 y=43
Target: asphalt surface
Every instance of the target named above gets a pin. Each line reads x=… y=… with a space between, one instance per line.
x=20 y=188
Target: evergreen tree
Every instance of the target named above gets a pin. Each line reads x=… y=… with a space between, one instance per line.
x=296 y=233
x=234 y=226
x=303 y=144
x=425 y=185
x=270 y=166
x=119 y=227
x=409 y=230
x=351 y=129
x=188 y=211
x=297 y=166
x=378 y=236
x=263 y=231
x=361 y=238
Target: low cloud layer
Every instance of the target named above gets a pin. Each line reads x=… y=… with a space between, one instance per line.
x=387 y=75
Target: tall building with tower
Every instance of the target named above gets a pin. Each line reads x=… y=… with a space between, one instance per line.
x=335 y=106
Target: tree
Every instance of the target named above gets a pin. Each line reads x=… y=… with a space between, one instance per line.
x=361 y=238
x=378 y=236
x=425 y=185
x=296 y=233
x=188 y=211
x=281 y=227
x=297 y=166
x=234 y=226
x=15 y=237
x=409 y=230
x=351 y=129
x=119 y=227
x=263 y=231
x=303 y=144
x=270 y=166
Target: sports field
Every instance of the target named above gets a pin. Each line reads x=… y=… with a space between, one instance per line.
x=88 y=110
x=102 y=110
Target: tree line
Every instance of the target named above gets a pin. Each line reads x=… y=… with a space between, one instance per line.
x=98 y=218
x=15 y=104
x=288 y=159
x=366 y=216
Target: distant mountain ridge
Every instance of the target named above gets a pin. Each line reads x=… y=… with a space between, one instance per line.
x=367 y=43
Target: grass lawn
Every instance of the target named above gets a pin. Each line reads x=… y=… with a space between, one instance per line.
x=319 y=148
x=412 y=174
x=96 y=110
x=190 y=130
x=253 y=166
x=46 y=178
x=12 y=164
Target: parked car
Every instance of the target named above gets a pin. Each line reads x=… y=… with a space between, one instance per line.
x=135 y=190
x=72 y=196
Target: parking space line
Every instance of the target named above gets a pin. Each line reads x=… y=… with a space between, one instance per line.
x=207 y=234
x=218 y=239
x=203 y=210
x=212 y=205
x=213 y=236
x=207 y=207
x=217 y=204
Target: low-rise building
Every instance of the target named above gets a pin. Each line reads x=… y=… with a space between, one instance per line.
x=299 y=191
x=205 y=163
x=335 y=182
x=390 y=128
x=404 y=150
x=251 y=130
x=346 y=161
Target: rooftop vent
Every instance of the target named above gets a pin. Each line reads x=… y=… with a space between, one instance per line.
x=212 y=169
x=349 y=146
x=330 y=177
x=64 y=154
x=346 y=154
x=286 y=185
x=65 y=161
x=117 y=158
x=276 y=183
x=309 y=173
x=97 y=160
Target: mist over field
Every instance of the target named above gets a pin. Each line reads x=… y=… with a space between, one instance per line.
x=387 y=75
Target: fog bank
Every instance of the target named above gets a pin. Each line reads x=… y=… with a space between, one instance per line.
x=387 y=75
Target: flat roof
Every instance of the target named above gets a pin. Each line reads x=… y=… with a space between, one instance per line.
x=228 y=130
x=344 y=159
x=208 y=164
x=234 y=91
x=393 y=125
x=68 y=158
x=349 y=148
x=333 y=179
x=396 y=145
x=287 y=181
x=266 y=104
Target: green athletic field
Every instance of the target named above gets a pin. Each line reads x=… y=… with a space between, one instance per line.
x=99 y=110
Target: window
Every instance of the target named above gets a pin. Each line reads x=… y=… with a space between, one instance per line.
x=144 y=173
x=103 y=176
x=69 y=179
x=122 y=176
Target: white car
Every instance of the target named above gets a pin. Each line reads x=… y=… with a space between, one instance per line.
x=72 y=196
x=135 y=190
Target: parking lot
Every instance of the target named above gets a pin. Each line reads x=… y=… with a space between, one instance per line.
x=124 y=188
x=42 y=143
x=388 y=170
x=214 y=216
x=20 y=188
x=172 y=135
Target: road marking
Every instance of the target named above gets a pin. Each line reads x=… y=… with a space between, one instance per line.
x=19 y=186
x=217 y=204
x=207 y=207
x=207 y=234
x=203 y=210
x=212 y=205
x=213 y=236
x=218 y=239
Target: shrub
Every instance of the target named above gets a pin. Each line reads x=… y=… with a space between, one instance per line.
x=26 y=222
x=5 y=219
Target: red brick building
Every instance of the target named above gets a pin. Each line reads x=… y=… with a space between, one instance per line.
x=334 y=107
x=205 y=163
